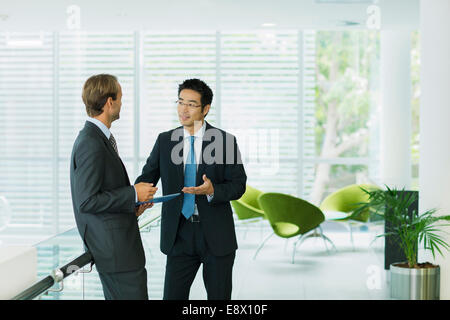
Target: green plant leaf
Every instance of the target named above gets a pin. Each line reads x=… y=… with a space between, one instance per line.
x=410 y=229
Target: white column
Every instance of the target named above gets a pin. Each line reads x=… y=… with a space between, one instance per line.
x=434 y=169
x=395 y=148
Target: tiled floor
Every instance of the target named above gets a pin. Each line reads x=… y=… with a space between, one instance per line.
x=348 y=273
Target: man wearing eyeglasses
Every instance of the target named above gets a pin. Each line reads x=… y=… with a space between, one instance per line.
x=197 y=228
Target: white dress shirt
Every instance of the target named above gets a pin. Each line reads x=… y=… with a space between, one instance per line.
x=198 y=141
x=101 y=126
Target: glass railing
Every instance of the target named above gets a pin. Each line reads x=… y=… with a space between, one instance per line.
x=65 y=272
x=66 y=249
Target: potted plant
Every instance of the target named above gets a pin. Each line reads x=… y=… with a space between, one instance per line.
x=409 y=279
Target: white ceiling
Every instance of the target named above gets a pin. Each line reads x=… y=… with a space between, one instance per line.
x=176 y=15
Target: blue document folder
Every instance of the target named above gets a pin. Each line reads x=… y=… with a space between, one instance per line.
x=160 y=199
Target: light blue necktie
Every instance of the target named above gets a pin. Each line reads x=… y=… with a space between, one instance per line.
x=190 y=172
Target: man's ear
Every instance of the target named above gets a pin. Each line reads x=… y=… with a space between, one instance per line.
x=108 y=104
x=109 y=101
x=206 y=110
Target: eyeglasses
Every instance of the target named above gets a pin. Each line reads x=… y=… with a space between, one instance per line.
x=191 y=105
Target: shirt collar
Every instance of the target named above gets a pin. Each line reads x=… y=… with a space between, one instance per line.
x=199 y=134
x=101 y=126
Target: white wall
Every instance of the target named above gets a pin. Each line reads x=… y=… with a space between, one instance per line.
x=172 y=15
x=434 y=171
x=395 y=124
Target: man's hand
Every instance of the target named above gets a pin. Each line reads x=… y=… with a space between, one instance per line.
x=140 y=210
x=145 y=191
x=206 y=188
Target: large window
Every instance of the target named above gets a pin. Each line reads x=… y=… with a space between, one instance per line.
x=299 y=102
x=28 y=160
x=346 y=124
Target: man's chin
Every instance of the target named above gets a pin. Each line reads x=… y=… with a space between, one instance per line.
x=186 y=123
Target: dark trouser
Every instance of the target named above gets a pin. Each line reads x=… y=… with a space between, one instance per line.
x=189 y=251
x=125 y=285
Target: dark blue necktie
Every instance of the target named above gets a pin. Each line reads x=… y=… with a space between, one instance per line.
x=190 y=172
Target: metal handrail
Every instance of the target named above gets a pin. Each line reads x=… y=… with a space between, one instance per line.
x=59 y=274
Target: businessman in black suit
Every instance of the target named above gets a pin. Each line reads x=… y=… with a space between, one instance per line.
x=103 y=199
x=197 y=228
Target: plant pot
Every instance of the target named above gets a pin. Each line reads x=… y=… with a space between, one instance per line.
x=415 y=283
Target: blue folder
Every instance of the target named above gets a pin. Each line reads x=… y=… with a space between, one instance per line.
x=160 y=199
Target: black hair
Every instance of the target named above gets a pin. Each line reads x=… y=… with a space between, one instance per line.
x=199 y=86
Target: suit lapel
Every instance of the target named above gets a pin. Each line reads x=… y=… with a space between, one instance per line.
x=179 y=168
x=108 y=144
x=202 y=165
x=99 y=132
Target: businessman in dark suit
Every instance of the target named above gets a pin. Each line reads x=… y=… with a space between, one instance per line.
x=197 y=228
x=103 y=199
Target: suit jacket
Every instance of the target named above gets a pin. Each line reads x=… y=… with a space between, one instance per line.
x=227 y=175
x=103 y=203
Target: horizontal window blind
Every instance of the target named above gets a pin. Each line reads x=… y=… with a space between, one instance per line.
x=264 y=85
x=82 y=55
x=26 y=127
x=308 y=109
x=168 y=60
x=260 y=104
x=255 y=77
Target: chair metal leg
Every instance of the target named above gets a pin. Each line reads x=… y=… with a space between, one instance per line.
x=305 y=236
x=351 y=235
x=262 y=244
x=300 y=239
x=325 y=238
x=315 y=233
x=245 y=232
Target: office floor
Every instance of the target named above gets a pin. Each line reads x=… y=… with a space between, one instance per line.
x=346 y=273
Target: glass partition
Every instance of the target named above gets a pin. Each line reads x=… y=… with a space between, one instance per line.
x=57 y=251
